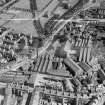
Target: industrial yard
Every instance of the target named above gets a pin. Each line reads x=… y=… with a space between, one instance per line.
x=52 y=52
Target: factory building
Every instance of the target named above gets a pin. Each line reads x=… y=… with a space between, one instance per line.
x=73 y=67
x=51 y=66
x=85 y=66
x=42 y=64
x=85 y=54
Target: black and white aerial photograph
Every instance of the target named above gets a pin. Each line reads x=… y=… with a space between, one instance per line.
x=52 y=52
